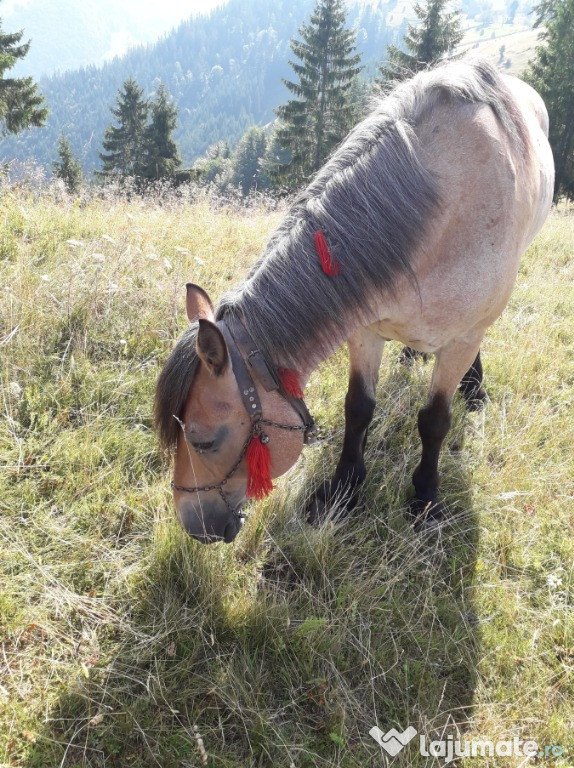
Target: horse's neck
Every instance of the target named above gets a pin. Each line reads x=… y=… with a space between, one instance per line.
x=312 y=354
x=311 y=361
x=297 y=319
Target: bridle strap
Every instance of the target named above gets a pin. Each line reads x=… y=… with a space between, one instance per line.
x=247 y=388
x=298 y=405
x=264 y=371
x=236 y=334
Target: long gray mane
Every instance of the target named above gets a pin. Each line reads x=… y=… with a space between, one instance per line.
x=373 y=200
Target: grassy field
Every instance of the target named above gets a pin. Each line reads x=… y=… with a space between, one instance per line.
x=519 y=46
x=123 y=642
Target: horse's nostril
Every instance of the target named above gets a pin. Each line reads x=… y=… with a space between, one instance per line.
x=231 y=531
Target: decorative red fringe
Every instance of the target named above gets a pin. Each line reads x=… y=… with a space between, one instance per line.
x=330 y=265
x=290 y=382
x=258 y=458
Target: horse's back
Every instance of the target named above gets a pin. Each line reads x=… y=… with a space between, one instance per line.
x=495 y=175
x=529 y=100
x=535 y=116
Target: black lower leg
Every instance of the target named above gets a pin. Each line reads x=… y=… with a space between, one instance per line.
x=471 y=386
x=359 y=409
x=434 y=423
x=350 y=472
x=408 y=355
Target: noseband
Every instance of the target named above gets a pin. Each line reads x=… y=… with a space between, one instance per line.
x=240 y=343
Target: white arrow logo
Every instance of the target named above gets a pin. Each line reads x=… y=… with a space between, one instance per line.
x=392 y=741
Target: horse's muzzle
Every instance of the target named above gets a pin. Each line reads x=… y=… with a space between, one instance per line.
x=210 y=524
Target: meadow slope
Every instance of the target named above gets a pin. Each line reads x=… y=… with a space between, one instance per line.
x=122 y=641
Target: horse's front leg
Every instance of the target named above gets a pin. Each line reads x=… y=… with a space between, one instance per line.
x=434 y=422
x=365 y=351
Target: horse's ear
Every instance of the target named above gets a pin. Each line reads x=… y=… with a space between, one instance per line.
x=198 y=303
x=211 y=347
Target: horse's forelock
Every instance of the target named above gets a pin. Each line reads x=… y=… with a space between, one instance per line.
x=173 y=386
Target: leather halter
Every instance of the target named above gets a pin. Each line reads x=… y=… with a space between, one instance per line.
x=240 y=343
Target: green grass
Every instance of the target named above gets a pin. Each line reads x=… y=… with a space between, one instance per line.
x=122 y=640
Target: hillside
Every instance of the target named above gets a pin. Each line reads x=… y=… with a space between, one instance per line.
x=517 y=44
x=225 y=71
x=66 y=34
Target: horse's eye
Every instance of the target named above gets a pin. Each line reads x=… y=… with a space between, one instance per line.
x=203 y=447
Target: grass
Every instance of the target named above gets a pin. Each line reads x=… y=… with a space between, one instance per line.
x=519 y=46
x=122 y=641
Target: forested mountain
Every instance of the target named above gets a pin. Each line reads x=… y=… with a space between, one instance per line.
x=224 y=72
x=67 y=34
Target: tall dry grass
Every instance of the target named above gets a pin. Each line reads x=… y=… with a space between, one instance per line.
x=123 y=642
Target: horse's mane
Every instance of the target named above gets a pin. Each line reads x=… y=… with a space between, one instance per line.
x=373 y=200
x=173 y=386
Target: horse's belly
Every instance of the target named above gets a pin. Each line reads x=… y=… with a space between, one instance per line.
x=422 y=337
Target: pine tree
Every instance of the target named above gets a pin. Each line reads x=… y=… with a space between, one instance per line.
x=161 y=155
x=21 y=104
x=274 y=159
x=124 y=144
x=552 y=74
x=215 y=166
x=437 y=34
x=321 y=115
x=68 y=168
x=246 y=170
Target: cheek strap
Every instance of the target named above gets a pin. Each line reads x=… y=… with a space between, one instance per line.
x=258 y=455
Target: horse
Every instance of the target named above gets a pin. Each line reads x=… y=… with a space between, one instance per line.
x=413 y=231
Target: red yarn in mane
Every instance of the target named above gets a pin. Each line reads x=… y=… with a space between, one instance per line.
x=328 y=263
x=258 y=458
x=290 y=382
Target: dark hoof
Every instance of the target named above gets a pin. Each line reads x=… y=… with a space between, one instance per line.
x=475 y=401
x=330 y=504
x=407 y=356
x=426 y=515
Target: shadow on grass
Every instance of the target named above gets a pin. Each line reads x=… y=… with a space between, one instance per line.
x=286 y=648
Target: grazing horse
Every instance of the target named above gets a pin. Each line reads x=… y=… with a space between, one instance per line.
x=413 y=231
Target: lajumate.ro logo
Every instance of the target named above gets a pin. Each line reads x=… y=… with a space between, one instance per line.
x=394 y=741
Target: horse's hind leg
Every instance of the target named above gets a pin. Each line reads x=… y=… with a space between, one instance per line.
x=434 y=422
x=471 y=386
x=365 y=351
x=408 y=355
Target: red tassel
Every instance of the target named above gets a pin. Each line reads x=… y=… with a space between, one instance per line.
x=290 y=382
x=328 y=263
x=258 y=458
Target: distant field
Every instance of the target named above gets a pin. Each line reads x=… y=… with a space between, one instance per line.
x=122 y=640
x=485 y=38
x=519 y=47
